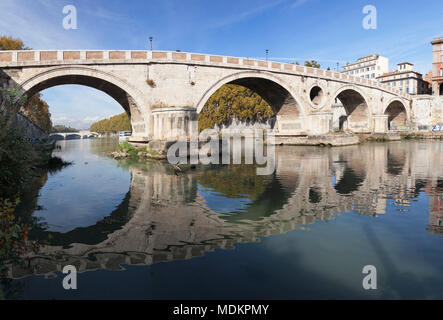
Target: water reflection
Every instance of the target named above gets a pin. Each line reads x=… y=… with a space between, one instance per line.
x=166 y=217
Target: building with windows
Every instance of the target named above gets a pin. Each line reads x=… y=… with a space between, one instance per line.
x=369 y=67
x=437 y=66
x=406 y=79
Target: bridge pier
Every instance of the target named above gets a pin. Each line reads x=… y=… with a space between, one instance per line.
x=320 y=123
x=173 y=123
x=380 y=123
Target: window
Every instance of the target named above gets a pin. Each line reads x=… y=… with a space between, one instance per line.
x=373 y=76
x=407 y=90
x=441 y=72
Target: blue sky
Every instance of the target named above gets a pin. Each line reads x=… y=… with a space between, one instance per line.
x=324 y=30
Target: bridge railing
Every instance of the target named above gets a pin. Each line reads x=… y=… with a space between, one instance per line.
x=54 y=57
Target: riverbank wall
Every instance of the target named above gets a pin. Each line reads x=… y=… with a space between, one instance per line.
x=29 y=128
x=426 y=114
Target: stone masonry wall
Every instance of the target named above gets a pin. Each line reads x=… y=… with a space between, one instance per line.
x=31 y=130
x=427 y=111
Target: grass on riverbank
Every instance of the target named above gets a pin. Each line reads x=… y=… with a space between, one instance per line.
x=127 y=150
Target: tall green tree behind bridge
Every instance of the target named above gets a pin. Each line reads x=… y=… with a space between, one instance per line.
x=233 y=102
x=114 y=124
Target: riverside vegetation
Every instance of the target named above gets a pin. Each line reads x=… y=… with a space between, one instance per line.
x=126 y=150
x=21 y=163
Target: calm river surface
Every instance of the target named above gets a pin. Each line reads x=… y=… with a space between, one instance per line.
x=141 y=231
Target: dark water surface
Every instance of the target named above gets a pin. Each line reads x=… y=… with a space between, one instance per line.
x=139 y=230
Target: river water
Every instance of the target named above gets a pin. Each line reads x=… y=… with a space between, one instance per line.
x=143 y=231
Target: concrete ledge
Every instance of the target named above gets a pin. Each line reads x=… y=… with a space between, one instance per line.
x=422 y=135
x=323 y=140
x=139 y=139
x=172 y=109
x=391 y=136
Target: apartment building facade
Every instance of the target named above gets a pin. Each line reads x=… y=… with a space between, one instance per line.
x=437 y=66
x=406 y=80
x=369 y=67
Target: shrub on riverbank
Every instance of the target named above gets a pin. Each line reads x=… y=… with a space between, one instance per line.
x=127 y=150
x=19 y=157
x=14 y=234
x=126 y=147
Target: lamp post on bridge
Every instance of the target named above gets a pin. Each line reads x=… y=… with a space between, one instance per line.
x=267 y=52
x=150 y=41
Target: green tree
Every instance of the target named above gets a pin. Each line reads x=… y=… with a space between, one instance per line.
x=17 y=155
x=116 y=123
x=37 y=110
x=312 y=64
x=10 y=43
x=233 y=102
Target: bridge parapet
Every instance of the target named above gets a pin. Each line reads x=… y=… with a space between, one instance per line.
x=28 y=58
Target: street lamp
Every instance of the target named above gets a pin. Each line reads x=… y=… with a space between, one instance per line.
x=150 y=40
x=267 y=52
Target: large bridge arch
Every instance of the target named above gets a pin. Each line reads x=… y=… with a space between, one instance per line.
x=358 y=110
x=271 y=88
x=398 y=114
x=128 y=97
x=288 y=108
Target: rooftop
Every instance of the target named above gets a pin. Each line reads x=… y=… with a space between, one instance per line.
x=437 y=40
x=370 y=56
x=398 y=72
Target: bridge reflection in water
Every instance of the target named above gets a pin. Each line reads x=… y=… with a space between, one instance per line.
x=167 y=216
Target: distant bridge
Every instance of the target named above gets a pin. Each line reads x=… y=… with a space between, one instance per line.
x=83 y=134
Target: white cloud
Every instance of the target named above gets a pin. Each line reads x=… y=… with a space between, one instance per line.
x=91 y=118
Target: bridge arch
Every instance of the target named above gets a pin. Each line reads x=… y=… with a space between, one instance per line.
x=271 y=88
x=355 y=103
x=398 y=114
x=127 y=96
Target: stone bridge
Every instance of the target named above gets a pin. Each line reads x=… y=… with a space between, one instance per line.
x=164 y=91
x=82 y=134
